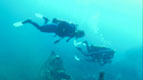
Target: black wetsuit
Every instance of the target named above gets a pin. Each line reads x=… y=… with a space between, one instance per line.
x=62 y=29
x=65 y=29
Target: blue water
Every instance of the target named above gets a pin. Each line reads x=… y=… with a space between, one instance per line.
x=112 y=23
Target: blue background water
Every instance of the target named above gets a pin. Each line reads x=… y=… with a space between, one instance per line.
x=112 y=23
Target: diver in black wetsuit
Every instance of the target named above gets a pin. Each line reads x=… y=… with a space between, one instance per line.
x=102 y=55
x=61 y=28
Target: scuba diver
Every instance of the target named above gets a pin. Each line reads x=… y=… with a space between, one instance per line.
x=53 y=69
x=61 y=28
x=102 y=55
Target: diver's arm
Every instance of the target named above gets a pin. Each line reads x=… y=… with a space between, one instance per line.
x=72 y=36
x=45 y=20
x=69 y=39
x=82 y=51
x=57 y=41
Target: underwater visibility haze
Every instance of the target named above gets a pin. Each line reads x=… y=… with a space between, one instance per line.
x=116 y=24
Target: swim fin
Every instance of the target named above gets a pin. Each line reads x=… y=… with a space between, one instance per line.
x=18 y=24
x=39 y=15
x=76 y=58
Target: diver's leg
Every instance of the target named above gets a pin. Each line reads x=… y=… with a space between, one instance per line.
x=87 y=46
x=45 y=20
x=33 y=23
x=42 y=17
x=82 y=51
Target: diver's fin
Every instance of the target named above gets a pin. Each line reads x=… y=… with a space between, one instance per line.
x=76 y=58
x=76 y=44
x=38 y=15
x=18 y=24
